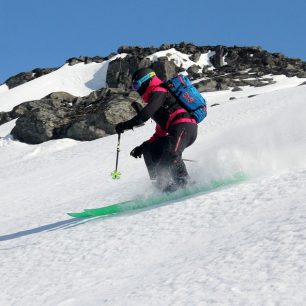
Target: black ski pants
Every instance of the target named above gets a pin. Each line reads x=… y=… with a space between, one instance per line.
x=164 y=156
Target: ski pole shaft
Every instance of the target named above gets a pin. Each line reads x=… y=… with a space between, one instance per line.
x=118 y=150
x=116 y=174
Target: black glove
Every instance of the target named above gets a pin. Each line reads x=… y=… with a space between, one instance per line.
x=120 y=128
x=127 y=125
x=137 y=152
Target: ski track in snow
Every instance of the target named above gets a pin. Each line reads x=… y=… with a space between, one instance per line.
x=239 y=245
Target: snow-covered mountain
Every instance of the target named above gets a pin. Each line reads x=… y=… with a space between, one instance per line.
x=242 y=244
x=87 y=97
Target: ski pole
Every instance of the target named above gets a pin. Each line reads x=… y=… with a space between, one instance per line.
x=116 y=174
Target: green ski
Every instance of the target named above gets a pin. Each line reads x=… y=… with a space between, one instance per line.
x=82 y=214
x=155 y=200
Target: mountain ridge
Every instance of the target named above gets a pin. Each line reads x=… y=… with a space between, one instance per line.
x=183 y=47
x=57 y=114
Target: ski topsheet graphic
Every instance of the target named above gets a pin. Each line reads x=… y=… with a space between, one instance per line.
x=154 y=200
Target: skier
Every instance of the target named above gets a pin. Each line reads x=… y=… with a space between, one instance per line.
x=175 y=130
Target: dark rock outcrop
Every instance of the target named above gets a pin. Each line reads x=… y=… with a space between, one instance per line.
x=61 y=115
x=25 y=77
x=120 y=71
x=5 y=117
x=85 y=59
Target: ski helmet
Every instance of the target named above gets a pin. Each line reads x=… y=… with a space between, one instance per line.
x=141 y=79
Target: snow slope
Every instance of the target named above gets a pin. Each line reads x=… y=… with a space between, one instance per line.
x=79 y=80
x=239 y=245
x=181 y=59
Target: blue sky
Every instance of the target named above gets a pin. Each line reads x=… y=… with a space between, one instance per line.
x=41 y=33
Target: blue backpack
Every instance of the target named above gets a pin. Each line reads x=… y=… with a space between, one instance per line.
x=188 y=96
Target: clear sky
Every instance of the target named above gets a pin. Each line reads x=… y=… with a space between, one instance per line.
x=41 y=33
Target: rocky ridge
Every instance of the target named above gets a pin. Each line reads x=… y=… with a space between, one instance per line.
x=60 y=115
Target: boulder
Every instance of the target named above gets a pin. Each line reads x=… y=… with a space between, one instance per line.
x=102 y=122
x=218 y=58
x=206 y=85
x=4 y=117
x=61 y=115
x=38 y=126
x=236 y=89
x=194 y=72
x=19 y=79
x=165 y=69
x=85 y=59
x=24 y=77
x=120 y=71
x=85 y=130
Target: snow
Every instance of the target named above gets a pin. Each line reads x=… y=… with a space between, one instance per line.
x=181 y=59
x=204 y=60
x=5 y=129
x=243 y=244
x=79 y=80
x=281 y=82
x=224 y=60
x=3 y=88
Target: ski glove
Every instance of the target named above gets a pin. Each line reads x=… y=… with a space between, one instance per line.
x=120 y=128
x=128 y=125
x=137 y=152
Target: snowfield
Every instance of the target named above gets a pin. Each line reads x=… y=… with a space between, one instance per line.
x=242 y=244
x=79 y=80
